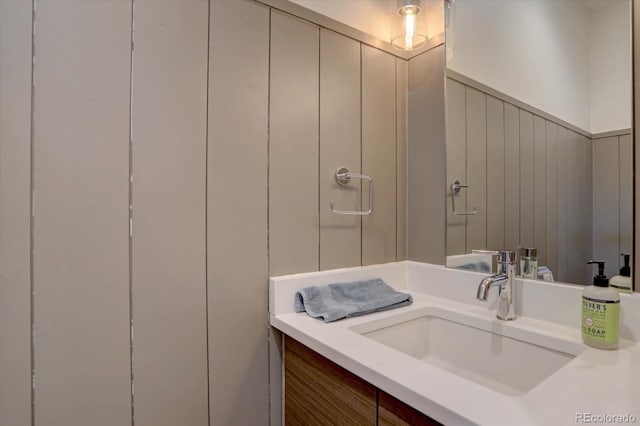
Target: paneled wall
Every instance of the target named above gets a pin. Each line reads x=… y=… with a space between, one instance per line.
x=529 y=179
x=427 y=147
x=612 y=200
x=15 y=213
x=81 y=283
x=168 y=197
x=169 y=157
x=345 y=114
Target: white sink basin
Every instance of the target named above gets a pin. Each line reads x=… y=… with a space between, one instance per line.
x=497 y=355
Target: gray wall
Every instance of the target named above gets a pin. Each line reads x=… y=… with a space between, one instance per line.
x=169 y=181
x=612 y=200
x=15 y=218
x=529 y=177
x=427 y=157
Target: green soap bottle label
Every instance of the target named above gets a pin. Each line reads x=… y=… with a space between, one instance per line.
x=600 y=320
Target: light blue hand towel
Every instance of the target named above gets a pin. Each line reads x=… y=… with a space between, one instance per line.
x=477 y=267
x=343 y=300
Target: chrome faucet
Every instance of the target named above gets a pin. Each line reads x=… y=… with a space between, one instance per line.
x=506 y=309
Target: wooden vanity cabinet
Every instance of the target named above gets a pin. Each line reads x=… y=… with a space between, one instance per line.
x=392 y=411
x=320 y=392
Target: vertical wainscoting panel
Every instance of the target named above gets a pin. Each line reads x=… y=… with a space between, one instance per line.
x=81 y=228
x=15 y=195
x=512 y=176
x=626 y=195
x=551 y=247
x=564 y=149
x=456 y=166
x=379 y=155
x=476 y=120
x=495 y=174
x=538 y=181
x=401 y=158
x=340 y=243
x=540 y=188
x=526 y=179
x=606 y=225
x=293 y=146
x=169 y=196
x=573 y=185
x=427 y=148
x=237 y=210
x=586 y=203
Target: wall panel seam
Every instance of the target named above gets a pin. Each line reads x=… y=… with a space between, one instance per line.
x=319 y=153
x=268 y=139
x=130 y=211
x=269 y=340
x=504 y=180
x=361 y=157
x=466 y=169
x=395 y=69
x=32 y=213
x=486 y=171
x=206 y=214
x=619 y=199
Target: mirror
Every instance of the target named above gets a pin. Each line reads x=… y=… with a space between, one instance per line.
x=539 y=151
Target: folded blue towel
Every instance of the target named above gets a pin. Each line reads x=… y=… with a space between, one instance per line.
x=478 y=267
x=343 y=300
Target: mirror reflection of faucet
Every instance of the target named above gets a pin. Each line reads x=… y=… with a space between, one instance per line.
x=528 y=265
x=528 y=262
x=483 y=260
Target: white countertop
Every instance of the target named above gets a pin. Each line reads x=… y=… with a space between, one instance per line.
x=596 y=382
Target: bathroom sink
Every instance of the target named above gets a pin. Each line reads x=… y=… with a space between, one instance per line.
x=474 y=348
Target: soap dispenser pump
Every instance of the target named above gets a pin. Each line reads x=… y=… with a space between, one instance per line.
x=622 y=282
x=600 y=312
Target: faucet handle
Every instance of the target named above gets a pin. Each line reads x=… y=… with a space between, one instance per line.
x=507 y=256
x=528 y=252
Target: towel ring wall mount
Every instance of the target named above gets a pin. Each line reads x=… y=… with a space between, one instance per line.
x=456 y=186
x=343 y=177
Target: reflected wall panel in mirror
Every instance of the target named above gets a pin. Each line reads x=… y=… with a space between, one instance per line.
x=528 y=178
x=539 y=133
x=612 y=228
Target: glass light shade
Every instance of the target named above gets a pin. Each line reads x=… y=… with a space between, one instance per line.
x=409 y=29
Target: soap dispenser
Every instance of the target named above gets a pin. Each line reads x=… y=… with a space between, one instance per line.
x=600 y=312
x=622 y=282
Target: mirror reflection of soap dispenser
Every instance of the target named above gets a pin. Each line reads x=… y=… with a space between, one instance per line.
x=622 y=282
x=600 y=312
